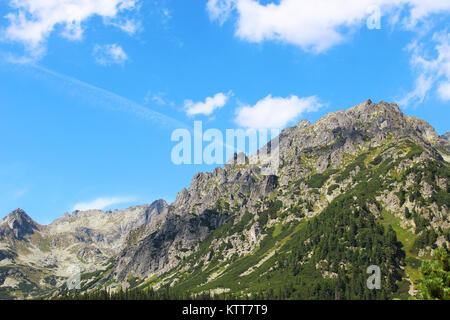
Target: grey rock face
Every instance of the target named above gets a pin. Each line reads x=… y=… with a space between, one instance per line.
x=444 y=140
x=446 y=136
x=17 y=225
x=153 y=252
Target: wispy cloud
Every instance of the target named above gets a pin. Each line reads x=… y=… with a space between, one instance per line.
x=102 y=203
x=109 y=54
x=159 y=98
x=129 y=26
x=432 y=72
x=220 y=10
x=19 y=193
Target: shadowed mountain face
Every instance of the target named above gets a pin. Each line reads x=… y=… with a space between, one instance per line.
x=446 y=136
x=445 y=141
x=362 y=186
x=17 y=225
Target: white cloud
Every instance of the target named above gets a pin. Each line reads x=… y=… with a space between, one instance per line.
x=275 y=112
x=158 y=98
x=129 y=26
x=33 y=21
x=109 y=54
x=207 y=107
x=102 y=203
x=423 y=84
x=220 y=10
x=431 y=72
x=165 y=15
x=444 y=90
x=314 y=25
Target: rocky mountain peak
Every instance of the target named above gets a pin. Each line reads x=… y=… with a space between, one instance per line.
x=372 y=121
x=17 y=224
x=369 y=112
x=158 y=205
x=303 y=124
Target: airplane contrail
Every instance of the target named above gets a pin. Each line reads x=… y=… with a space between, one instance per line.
x=110 y=100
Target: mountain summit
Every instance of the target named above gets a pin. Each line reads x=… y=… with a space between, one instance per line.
x=17 y=225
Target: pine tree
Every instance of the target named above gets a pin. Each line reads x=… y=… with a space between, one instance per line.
x=436 y=277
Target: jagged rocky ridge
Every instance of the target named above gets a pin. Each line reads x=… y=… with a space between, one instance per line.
x=235 y=226
x=37 y=259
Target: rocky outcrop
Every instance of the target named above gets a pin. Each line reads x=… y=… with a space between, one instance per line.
x=444 y=140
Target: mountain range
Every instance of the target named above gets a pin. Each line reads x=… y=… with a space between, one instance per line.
x=359 y=187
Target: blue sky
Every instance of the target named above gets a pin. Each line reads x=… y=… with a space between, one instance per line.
x=90 y=92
